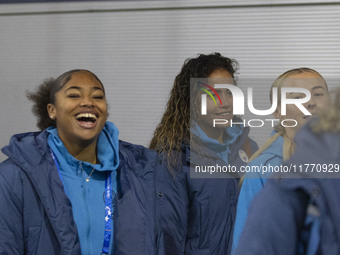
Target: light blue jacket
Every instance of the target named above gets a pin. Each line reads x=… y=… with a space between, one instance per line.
x=253 y=183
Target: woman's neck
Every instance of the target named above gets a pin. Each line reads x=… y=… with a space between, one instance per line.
x=83 y=152
x=216 y=133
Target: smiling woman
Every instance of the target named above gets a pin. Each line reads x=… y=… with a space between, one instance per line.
x=65 y=189
x=80 y=110
x=280 y=146
x=202 y=225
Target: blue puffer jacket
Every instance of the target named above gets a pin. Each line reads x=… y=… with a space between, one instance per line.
x=195 y=216
x=280 y=223
x=36 y=215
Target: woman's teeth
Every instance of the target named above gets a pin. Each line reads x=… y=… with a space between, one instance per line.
x=223 y=114
x=86 y=117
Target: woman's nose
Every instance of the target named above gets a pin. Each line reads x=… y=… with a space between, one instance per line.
x=310 y=104
x=86 y=101
x=226 y=99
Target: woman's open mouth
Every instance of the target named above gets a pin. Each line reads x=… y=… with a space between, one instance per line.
x=86 y=120
x=223 y=114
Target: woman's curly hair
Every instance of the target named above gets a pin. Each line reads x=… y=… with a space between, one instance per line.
x=41 y=98
x=174 y=129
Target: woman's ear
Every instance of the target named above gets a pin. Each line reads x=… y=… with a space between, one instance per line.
x=51 y=111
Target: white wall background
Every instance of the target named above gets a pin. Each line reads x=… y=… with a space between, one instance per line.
x=138 y=47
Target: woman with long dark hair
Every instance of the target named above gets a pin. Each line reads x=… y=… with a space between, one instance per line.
x=204 y=207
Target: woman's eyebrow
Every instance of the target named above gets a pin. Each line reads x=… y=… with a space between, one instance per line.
x=73 y=87
x=318 y=87
x=97 y=88
x=80 y=88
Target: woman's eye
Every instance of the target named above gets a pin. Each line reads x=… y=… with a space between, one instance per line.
x=318 y=94
x=298 y=96
x=98 y=97
x=72 y=96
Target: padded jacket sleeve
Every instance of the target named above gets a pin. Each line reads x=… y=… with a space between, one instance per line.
x=273 y=226
x=11 y=230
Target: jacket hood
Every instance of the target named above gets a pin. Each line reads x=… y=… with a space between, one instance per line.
x=27 y=149
x=233 y=133
x=200 y=140
x=107 y=149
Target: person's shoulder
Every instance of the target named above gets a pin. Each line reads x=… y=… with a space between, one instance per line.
x=137 y=157
x=26 y=140
x=316 y=147
x=9 y=170
x=11 y=178
x=27 y=148
x=138 y=150
x=308 y=137
x=24 y=149
x=29 y=136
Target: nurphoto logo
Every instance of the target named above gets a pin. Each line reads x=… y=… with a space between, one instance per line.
x=238 y=104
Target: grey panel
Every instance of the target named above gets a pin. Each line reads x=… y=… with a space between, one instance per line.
x=137 y=54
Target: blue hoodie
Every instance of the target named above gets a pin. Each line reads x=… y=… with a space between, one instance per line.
x=221 y=149
x=87 y=201
x=251 y=186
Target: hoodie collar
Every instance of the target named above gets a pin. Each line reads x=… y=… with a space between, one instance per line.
x=233 y=133
x=276 y=148
x=107 y=149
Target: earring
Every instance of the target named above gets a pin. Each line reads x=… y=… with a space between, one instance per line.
x=52 y=117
